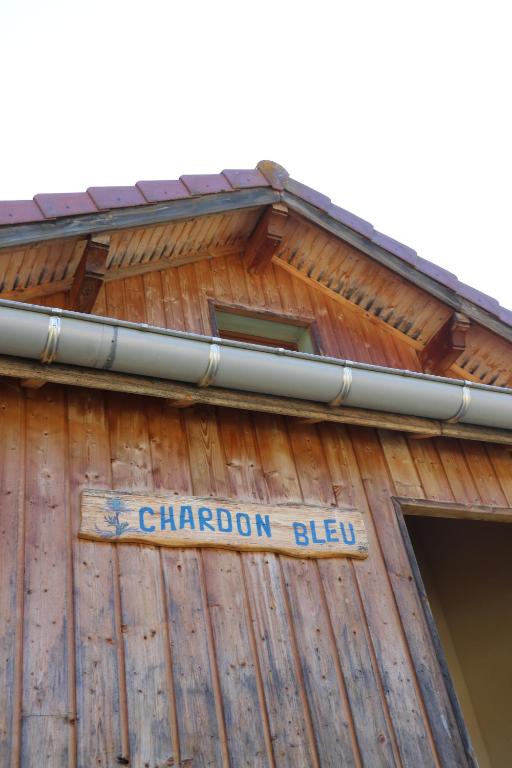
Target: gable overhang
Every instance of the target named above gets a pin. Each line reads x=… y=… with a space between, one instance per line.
x=147 y=215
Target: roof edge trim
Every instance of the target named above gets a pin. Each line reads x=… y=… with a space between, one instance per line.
x=18 y=235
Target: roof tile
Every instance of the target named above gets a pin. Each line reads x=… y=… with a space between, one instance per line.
x=206 y=184
x=477 y=297
x=19 y=211
x=437 y=273
x=158 y=191
x=351 y=220
x=275 y=174
x=307 y=193
x=505 y=315
x=395 y=247
x=65 y=204
x=116 y=197
x=245 y=179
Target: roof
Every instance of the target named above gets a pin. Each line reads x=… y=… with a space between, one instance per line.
x=46 y=207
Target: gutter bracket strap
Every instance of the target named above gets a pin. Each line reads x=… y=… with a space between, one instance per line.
x=212 y=367
x=49 y=352
x=464 y=406
x=346 y=383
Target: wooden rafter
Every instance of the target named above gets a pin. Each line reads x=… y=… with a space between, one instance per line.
x=445 y=346
x=266 y=238
x=89 y=277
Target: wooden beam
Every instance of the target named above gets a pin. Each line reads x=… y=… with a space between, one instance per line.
x=455 y=510
x=234 y=249
x=266 y=238
x=38 y=291
x=89 y=277
x=245 y=401
x=446 y=345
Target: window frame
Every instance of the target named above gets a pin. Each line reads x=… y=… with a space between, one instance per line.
x=285 y=318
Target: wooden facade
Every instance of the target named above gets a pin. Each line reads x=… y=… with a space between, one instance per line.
x=128 y=654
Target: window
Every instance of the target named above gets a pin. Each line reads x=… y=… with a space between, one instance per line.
x=244 y=324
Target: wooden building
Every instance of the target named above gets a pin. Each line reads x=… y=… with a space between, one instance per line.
x=117 y=652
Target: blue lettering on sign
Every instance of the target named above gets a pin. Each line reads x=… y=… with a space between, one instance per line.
x=221 y=520
x=301 y=534
x=263 y=525
x=346 y=539
x=228 y=526
x=245 y=529
x=204 y=514
x=167 y=521
x=329 y=532
x=142 y=525
x=314 y=537
x=186 y=517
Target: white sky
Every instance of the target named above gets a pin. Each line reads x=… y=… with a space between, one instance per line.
x=399 y=111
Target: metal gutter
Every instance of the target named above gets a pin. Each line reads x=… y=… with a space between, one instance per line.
x=53 y=335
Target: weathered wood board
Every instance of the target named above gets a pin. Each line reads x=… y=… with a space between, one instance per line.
x=191 y=521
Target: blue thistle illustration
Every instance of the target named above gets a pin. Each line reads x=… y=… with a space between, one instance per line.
x=115 y=508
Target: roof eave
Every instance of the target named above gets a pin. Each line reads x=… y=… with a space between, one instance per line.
x=19 y=235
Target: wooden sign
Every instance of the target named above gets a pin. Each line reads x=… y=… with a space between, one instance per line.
x=186 y=521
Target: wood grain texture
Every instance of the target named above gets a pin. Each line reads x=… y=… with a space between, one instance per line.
x=278 y=663
x=12 y=520
x=387 y=642
x=428 y=672
x=102 y=726
x=48 y=712
x=323 y=689
x=198 y=712
x=242 y=705
x=143 y=619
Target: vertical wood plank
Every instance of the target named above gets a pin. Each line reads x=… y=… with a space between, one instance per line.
x=338 y=583
x=459 y=477
x=388 y=644
x=102 y=728
x=153 y=294
x=199 y=727
x=436 y=705
x=172 y=300
x=242 y=706
x=430 y=470
x=322 y=679
x=197 y=715
x=12 y=521
x=483 y=474
x=48 y=715
x=501 y=460
x=143 y=612
x=267 y=603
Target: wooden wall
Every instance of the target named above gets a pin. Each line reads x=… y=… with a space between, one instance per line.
x=128 y=654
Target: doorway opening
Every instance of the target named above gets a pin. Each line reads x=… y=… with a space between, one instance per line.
x=466 y=569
